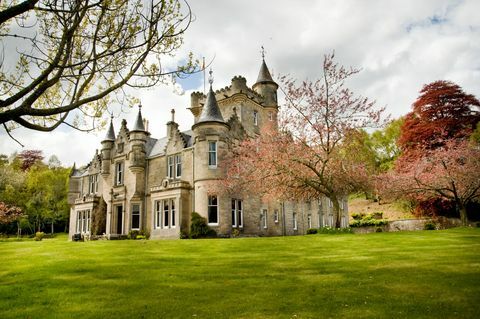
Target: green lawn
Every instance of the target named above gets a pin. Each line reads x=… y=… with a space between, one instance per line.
x=427 y=274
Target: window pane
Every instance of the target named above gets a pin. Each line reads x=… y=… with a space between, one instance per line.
x=212 y=210
x=135 y=216
x=165 y=214
x=212 y=153
x=173 y=212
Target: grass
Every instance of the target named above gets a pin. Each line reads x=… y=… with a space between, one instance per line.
x=426 y=274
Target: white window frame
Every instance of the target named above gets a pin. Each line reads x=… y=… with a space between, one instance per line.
x=178 y=165
x=294 y=220
x=93 y=184
x=215 y=152
x=237 y=213
x=264 y=218
x=83 y=221
x=139 y=216
x=119 y=173
x=170 y=166
x=309 y=220
x=160 y=222
x=209 y=200
x=255 y=118
x=275 y=216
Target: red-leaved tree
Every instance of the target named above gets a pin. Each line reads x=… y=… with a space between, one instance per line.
x=443 y=111
x=9 y=213
x=30 y=157
x=451 y=172
x=305 y=158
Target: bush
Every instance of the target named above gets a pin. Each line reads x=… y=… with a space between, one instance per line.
x=199 y=227
x=133 y=234
x=311 y=231
x=138 y=234
x=429 y=226
x=357 y=216
x=235 y=232
x=372 y=219
x=39 y=235
x=333 y=230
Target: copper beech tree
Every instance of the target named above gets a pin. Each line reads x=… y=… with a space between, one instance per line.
x=304 y=157
x=63 y=57
x=450 y=172
x=443 y=111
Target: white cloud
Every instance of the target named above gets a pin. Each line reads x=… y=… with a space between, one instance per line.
x=400 y=46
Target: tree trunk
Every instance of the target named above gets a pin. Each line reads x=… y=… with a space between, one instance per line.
x=336 y=211
x=463 y=214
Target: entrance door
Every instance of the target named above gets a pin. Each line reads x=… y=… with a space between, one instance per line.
x=119 y=219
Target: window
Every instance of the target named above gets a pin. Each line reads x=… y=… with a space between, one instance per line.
x=255 y=118
x=213 y=209
x=119 y=173
x=164 y=213
x=309 y=220
x=295 y=226
x=135 y=216
x=212 y=154
x=83 y=221
x=174 y=166
x=93 y=184
x=237 y=213
x=264 y=218
x=170 y=167
x=340 y=203
x=270 y=116
x=275 y=216
x=178 y=165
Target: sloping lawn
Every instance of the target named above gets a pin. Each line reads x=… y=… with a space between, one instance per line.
x=428 y=274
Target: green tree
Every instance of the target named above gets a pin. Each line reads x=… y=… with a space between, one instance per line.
x=76 y=56
x=384 y=144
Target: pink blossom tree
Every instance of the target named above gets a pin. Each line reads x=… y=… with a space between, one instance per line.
x=451 y=172
x=305 y=156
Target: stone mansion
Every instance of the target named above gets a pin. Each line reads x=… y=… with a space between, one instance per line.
x=138 y=182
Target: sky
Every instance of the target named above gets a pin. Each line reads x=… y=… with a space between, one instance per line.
x=399 y=46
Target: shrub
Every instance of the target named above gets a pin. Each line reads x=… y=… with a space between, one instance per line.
x=311 y=231
x=39 y=235
x=184 y=235
x=133 y=234
x=369 y=220
x=199 y=227
x=429 y=226
x=235 y=233
x=140 y=237
x=333 y=230
x=357 y=216
x=378 y=229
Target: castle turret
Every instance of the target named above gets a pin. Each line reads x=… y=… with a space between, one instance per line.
x=265 y=86
x=106 y=151
x=138 y=138
x=210 y=143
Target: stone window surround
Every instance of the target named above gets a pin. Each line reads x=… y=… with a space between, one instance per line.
x=159 y=213
x=139 y=215
x=212 y=162
x=212 y=206
x=119 y=173
x=237 y=213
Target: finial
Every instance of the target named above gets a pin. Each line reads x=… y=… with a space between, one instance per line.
x=210 y=77
x=263 y=52
x=139 y=107
x=173 y=115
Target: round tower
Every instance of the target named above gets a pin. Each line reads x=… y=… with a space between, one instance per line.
x=265 y=86
x=210 y=143
x=106 y=151
x=138 y=139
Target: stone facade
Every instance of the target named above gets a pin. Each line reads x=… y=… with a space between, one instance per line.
x=138 y=182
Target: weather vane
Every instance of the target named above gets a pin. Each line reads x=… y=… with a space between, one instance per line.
x=210 y=77
x=263 y=52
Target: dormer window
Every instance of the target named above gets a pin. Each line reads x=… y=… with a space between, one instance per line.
x=255 y=118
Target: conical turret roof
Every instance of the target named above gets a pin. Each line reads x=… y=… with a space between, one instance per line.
x=110 y=133
x=139 y=122
x=264 y=74
x=211 y=111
